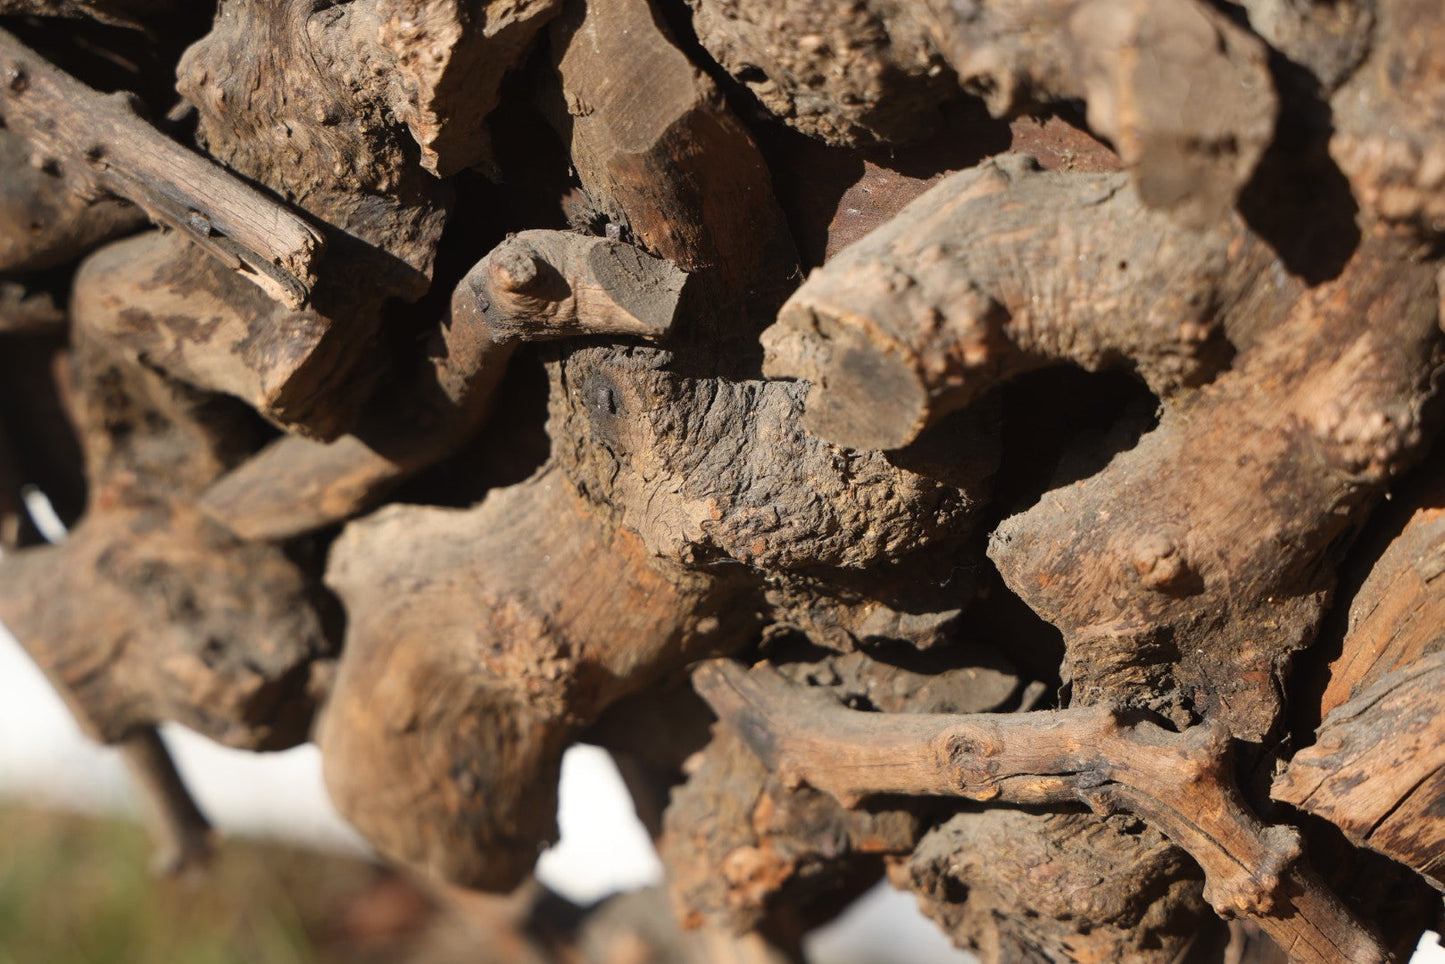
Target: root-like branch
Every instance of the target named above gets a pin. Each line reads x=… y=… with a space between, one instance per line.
x=1179 y=782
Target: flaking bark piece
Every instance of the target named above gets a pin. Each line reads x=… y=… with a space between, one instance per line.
x=536 y=285
x=1377 y=768
x=1179 y=783
x=102 y=147
x=480 y=643
x=1183 y=93
x=451 y=57
x=1205 y=554
x=998 y=270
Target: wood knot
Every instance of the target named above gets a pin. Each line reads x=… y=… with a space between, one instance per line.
x=517 y=267
x=1162 y=565
x=14 y=78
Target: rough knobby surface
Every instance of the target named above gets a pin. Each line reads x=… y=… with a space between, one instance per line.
x=939 y=441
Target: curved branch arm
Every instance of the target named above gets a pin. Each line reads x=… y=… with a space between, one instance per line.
x=1179 y=782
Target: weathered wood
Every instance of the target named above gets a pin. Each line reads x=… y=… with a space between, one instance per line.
x=479 y=644
x=746 y=852
x=1095 y=888
x=1328 y=38
x=1179 y=783
x=169 y=616
x=326 y=141
x=536 y=285
x=46 y=219
x=1206 y=553
x=100 y=142
x=1377 y=768
x=1183 y=93
x=1396 y=617
x=150 y=299
x=450 y=59
x=662 y=159
x=931 y=310
x=860 y=73
x=1388 y=118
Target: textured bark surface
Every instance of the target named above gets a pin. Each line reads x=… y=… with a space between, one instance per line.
x=1008 y=390
x=1377 y=771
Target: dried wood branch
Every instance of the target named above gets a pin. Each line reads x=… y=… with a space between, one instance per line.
x=479 y=644
x=180 y=833
x=100 y=141
x=1180 y=783
x=933 y=309
x=536 y=285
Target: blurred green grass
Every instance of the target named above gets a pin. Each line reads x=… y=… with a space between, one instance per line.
x=78 y=890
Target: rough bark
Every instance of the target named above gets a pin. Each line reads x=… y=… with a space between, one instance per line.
x=1388 y=116
x=1044 y=475
x=104 y=148
x=1092 y=889
x=1377 y=770
x=1180 y=783
x=857 y=74
x=930 y=311
x=479 y=644
x=451 y=57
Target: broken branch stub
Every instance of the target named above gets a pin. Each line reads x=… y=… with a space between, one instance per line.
x=1179 y=782
x=996 y=271
x=151 y=300
x=534 y=286
x=100 y=142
